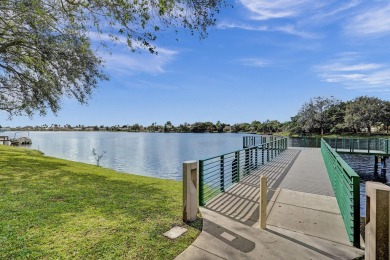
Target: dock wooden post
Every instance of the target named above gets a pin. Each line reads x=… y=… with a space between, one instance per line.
x=190 y=190
x=377 y=231
x=263 y=202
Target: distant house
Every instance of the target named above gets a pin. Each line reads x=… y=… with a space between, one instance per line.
x=227 y=128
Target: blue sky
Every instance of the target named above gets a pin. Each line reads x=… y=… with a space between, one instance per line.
x=263 y=60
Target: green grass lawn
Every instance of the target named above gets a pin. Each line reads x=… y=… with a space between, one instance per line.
x=53 y=208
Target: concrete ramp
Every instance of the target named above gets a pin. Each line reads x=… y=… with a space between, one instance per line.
x=313 y=215
x=302 y=222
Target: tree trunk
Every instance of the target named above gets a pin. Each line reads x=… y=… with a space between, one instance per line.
x=369 y=130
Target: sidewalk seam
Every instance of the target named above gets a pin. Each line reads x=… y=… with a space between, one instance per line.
x=273 y=201
x=209 y=252
x=302 y=233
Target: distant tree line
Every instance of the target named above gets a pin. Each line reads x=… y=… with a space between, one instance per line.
x=322 y=115
x=268 y=126
x=319 y=115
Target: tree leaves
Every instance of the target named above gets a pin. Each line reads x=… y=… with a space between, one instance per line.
x=45 y=50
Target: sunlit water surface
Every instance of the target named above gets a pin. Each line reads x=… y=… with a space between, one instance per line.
x=162 y=154
x=151 y=154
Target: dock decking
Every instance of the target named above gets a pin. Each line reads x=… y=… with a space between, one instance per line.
x=303 y=218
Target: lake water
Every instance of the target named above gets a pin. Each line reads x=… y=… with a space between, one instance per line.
x=151 y=154
x=363 y=165
x=162 y=154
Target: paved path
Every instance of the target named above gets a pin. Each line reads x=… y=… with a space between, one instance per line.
x=303 y=220
x=308 y=174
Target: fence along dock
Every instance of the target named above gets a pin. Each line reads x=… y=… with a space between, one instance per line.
x=304 y=216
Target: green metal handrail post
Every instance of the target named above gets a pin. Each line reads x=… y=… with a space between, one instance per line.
x=256 y=164
x=368 y=145
x=350 y=149
x=262 y=154
x=222 y=174
x=252 y=161
x=267 y=152
x=356 y=210
x=276 y=148
x=246 y=166
x=236 y=167
x=272 y=149
x=201 y=184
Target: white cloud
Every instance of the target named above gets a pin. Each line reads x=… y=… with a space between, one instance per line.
x=254 y=62
x=289 y=29
x=123 y=61
x=126 y=62
x=305 y=15
x=338 y=10
x=142 y=84
x=371 y=22
x=227 y=25
x=354 y=67
x=265 y=10
x=354 y=74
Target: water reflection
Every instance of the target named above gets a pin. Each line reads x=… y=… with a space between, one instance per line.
x=151 y=154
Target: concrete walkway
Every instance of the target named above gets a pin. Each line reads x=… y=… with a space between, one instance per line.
x=303 y=221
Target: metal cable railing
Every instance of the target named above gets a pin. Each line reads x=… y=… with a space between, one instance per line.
x=345 y=183
x=304 y=141
x=345 y=145
x=219 y=173
x=360 y=145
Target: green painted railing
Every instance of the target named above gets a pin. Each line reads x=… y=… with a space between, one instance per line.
x=346 y=187
x=377 y=146
x=304 y=141
x=219 y=173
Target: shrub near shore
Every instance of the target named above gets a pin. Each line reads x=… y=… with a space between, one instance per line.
x=53 y=208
